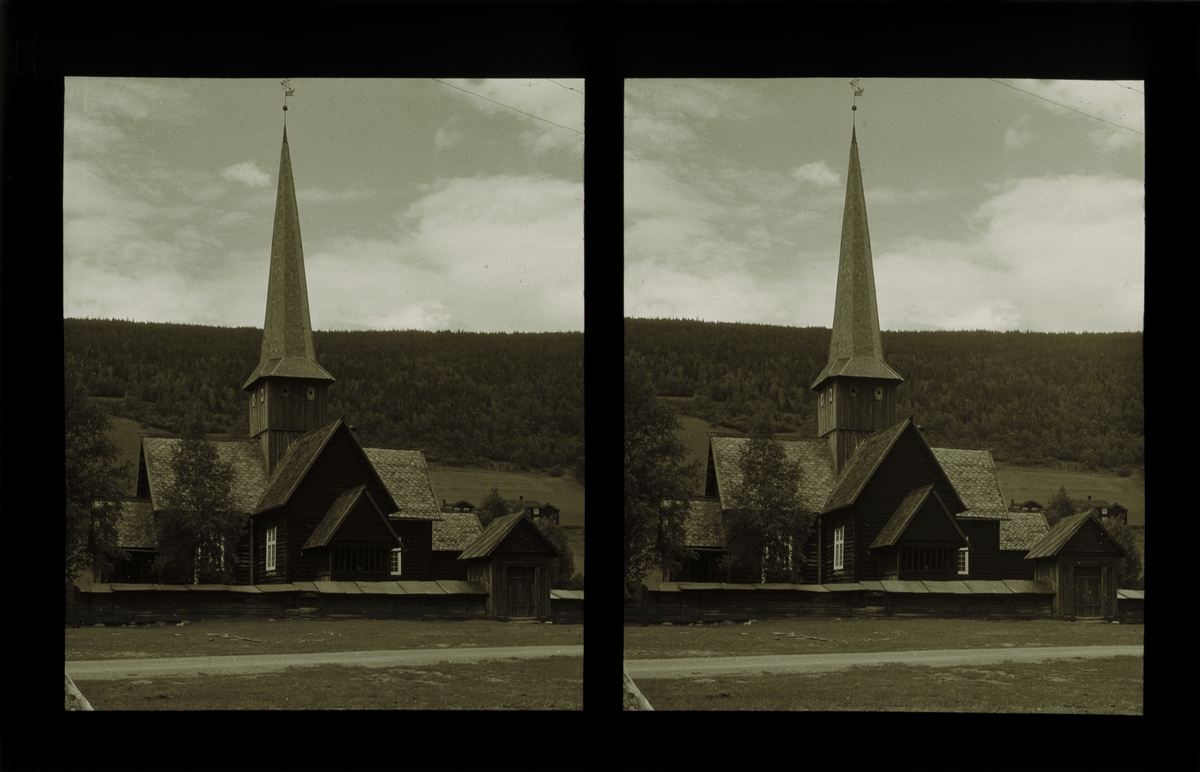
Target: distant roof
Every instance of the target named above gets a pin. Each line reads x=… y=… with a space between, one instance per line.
x=1062 y=532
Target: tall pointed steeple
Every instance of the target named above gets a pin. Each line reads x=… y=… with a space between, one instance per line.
x=287 y=389
x=857 y=387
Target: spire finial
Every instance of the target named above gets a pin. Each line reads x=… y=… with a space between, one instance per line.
x=857 y=93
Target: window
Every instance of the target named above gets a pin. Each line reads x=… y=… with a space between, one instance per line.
x=839 y=548
x=358 y=559
x=271 y=548
x=925 y=559
x=879 y=393
x=964 y=560
x=854 y=392
x=285 y=392
x=312 y=393
x=396 y=562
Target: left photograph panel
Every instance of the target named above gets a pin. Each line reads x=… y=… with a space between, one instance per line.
x=323 y=352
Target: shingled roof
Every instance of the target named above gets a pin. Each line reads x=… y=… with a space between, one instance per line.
x=904 y=514
x=1022 y=530
x=973 y=475
x=811 y=453
x=453 y=531
x=244 y=455
x=338 y=511
x=1062 y=532
x=135 y=528
x=406 y=478
x=702 y=526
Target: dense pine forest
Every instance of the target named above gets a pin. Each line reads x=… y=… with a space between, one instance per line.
x=469 y=399
x=1058 y=399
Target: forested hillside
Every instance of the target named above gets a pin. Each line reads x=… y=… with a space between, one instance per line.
x=1033 y=398
x=465 y=398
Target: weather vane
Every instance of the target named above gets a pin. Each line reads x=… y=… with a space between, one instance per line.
x=287 y=92
x=857 y=93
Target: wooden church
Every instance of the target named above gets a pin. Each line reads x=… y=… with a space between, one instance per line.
x=320 y=506
x=887 y=504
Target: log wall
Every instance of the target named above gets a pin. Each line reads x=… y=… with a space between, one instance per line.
x=682 y=602
x=145 y=603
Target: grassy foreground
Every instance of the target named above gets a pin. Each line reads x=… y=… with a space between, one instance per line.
x=825 y=635
x=1111 y=686
x=304 y=636
x=555 y=683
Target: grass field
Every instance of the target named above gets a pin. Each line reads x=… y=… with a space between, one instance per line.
x=1024 y=483
x=1063 y=686
x=1112 y=686
x=826 y=635
x=554 y=683
x=305 y=636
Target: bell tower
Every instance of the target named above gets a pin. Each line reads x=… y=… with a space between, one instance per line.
x=857 y=389
x=288 y=390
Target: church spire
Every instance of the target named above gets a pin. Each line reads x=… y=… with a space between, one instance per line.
x=288 y=389
x=855 y=347
x=857 y=389
x=287 y=345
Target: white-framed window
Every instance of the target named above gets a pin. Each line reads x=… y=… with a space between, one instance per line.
x=839 y=548
x=396 y=564
x=271 y=548
x=964 y=561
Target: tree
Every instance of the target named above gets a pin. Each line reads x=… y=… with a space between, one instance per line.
x=563 y=567
x=93 y=487
x=199 y=528
x=766 y=527
x=1129 y=570
x=657 y=479
x=1060 y=506
x=491 y=508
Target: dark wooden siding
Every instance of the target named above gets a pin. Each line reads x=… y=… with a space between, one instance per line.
x=1013 y=565
x=984 y=562
x=294 y=412
x=446 y=565
x=416 y=560
x=340 y=466
x=862 y=411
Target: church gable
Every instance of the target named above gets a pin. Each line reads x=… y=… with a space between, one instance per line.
x=353 y=518
x=923 y=518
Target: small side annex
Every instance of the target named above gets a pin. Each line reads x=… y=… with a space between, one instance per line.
x=511 y=559
x=1078 y=559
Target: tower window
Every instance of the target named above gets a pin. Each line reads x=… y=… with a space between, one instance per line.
x=854 y=391
x=312 y=393
x=285 y=392
x=879 y=393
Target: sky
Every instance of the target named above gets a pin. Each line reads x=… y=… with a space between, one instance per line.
x=991 y=204
x=424 y=204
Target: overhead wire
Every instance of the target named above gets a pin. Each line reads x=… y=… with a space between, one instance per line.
x=1068 y=107
x=510 y=107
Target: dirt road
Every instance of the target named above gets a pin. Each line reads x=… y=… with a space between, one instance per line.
x=687 y=667
x=110 y=669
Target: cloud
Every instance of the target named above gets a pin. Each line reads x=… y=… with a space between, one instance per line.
x=247 y=173
x=1118 y=103
x=1032 y=239
x=499 y=253
x=819 y=173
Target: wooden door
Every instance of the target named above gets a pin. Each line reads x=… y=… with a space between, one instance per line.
x=1088 y=600
x=520 y=592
